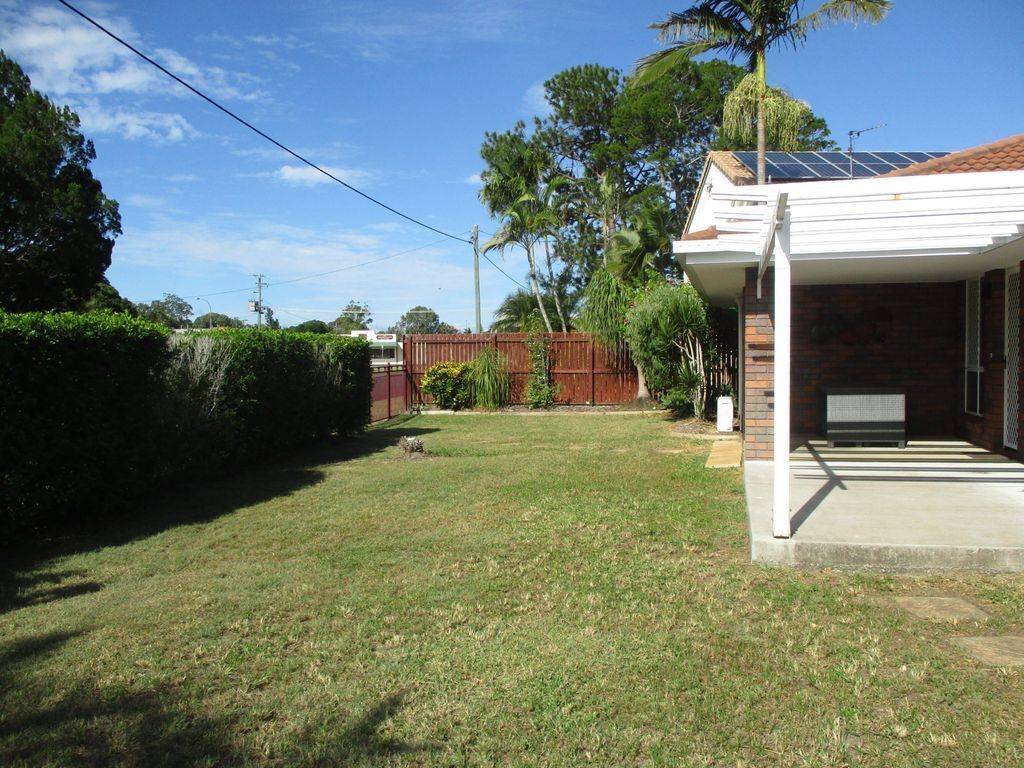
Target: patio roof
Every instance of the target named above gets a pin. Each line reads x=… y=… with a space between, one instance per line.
x=889 y=229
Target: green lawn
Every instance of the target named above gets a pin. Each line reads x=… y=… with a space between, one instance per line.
x=561 y=590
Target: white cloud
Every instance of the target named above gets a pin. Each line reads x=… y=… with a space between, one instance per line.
x=152 y=126
x=145 y=201
x=72 y=61
x=534 y=100
x=307 y=176
x=474 y=180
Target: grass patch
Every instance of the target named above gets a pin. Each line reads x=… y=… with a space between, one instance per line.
x=531 y=595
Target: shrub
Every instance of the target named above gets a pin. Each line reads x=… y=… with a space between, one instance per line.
x=490 y=384
x=540 y=391
x=245 y=394
x=97 y=408
x=82 y=419
x=668 y=335
x=448 y=384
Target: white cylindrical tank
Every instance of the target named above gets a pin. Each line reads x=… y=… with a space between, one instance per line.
x=725 y=414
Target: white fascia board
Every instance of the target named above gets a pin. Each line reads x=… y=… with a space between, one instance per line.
x=721 y=259
x=931 y=235
x=942 y=183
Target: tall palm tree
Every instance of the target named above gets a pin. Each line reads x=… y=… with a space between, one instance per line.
x=749 y=28
x=526 y=223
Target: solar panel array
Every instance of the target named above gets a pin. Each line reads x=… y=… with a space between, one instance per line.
x=805 y=166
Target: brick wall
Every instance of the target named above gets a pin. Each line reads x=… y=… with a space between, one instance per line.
x=897 y=335
x=758 y=367
x=886 y=335
x=985 y=430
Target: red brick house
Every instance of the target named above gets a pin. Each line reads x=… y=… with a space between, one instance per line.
x=906 y=281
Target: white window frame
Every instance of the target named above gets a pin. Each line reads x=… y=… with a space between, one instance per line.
x=972 y=364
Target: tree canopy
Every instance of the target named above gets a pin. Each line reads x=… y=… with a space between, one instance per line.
x=217 y=320
x=172 y=311
x=311 y=326
x=57 y=228
x=354 y=317
x=421 y=319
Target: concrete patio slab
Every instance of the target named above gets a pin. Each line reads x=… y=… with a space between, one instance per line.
x=1005 y=651
x=935 y=505
x=940 y=608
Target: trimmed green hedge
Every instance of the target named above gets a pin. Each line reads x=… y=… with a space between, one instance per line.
x=96 y=408
x=81 y=409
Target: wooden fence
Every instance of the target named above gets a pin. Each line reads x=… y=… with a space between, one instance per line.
x=583 y=371
x=388 y=398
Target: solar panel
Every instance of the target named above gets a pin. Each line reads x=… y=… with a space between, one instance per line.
x=798 y=166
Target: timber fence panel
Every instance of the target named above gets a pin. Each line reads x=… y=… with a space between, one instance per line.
x=582 y=371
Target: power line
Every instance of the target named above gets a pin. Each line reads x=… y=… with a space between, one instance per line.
x=506 y=274
x=252 y=127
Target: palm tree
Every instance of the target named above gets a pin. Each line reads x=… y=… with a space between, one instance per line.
x=530 y=220
x=526 y=223
x=645 y=244
x=749 y=28
x=518 y=311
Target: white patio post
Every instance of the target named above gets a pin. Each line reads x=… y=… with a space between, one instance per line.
x=780 y=452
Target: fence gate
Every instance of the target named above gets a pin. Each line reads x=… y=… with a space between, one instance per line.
x=1011 y=388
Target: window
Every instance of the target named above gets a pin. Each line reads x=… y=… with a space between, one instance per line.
x=972 y=349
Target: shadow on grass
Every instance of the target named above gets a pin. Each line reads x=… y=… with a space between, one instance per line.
x=23 y=583
x=80 y=722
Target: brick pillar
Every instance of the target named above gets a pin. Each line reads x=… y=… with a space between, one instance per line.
x=759 y=366
x=1020 y=371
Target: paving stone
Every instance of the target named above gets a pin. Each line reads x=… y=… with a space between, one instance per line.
x=941 y=608
x=1004 y=651
x=725 y=454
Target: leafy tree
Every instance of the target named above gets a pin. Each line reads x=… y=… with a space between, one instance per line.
x=354 y=317
x=172 y=311
x=311 y=326
x=217 y=320
x=749 y=30
x=269 y=321
x=421 y=319
x=105 y=298
x=57 y=228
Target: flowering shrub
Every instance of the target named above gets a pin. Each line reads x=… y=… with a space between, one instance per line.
x=448 y=384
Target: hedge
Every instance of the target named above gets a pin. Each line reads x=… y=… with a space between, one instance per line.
x=97 y=408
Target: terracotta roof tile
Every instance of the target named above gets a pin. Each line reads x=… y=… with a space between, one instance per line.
x=736 y=171
x=702 y=234
x=1004 y=155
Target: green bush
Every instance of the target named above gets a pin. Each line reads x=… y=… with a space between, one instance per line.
x=490 y=384
x=540 y=390
x=97 y=408
x=82 y=418
x=264 y=392
x=448 y=384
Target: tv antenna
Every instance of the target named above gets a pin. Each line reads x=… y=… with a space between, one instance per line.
x=856 y=134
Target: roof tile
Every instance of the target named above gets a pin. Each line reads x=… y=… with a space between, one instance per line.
x=1003 y=155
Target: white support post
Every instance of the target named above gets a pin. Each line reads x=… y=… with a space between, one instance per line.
x=783 y=322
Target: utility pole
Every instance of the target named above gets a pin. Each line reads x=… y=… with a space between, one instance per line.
x=476 y=273
x=259 y=301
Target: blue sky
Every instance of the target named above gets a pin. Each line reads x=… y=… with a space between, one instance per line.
x=394 y=97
